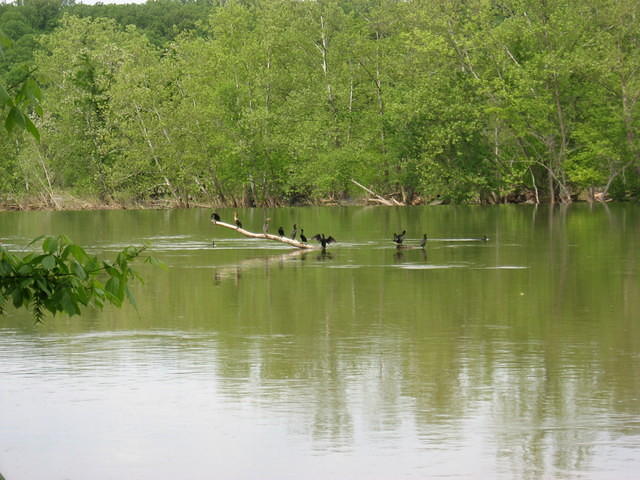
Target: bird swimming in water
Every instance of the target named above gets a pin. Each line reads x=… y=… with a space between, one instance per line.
x=303 y=238
x=423 y=242
x=399 y=237
x=281 y=231
x=215 y=217
x=324 y=241
x=265 y=225
x=237 y=220
x=294 y=232
x=484 y=238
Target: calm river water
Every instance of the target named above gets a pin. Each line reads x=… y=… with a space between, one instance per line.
x=518 y=357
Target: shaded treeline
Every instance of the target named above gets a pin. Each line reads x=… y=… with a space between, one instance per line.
x=277 y=102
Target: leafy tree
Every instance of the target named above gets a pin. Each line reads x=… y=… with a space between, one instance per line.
x=268 y=102
x=15 y=101
x=64 y=276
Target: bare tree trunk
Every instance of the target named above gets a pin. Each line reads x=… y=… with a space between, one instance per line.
x=50 y=194
x=324 y=51
x=156 y=160
x=535 y=187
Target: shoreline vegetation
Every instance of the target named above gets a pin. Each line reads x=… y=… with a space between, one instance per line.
x=256 y=103
x=66 y=202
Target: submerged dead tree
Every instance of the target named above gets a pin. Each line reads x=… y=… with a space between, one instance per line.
x=379 y=198
x=265 y=236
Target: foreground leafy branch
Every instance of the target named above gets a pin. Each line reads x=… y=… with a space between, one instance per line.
x=65 y=277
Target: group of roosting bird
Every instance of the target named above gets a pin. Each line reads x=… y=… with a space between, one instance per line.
x=398 y=238
x=320 y=237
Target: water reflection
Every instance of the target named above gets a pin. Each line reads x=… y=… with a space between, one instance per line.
x=265 y=262
x=400 y=254
x=519 y=355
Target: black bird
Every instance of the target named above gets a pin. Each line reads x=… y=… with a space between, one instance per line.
x=294 y=232
x=237 y=220
x=423 y=242
x=213 y=243
x=324 y=241
x=265 y=225
x=484 y=238
x=399 y=237
x=303 y=237
x=215 y=217
x=281 y=231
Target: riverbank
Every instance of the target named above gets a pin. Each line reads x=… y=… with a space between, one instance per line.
x=69 y=202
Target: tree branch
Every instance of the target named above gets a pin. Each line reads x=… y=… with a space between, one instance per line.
x=264 y=236
x=384 y=201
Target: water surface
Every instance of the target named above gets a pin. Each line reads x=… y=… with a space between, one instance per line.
x=517 y=357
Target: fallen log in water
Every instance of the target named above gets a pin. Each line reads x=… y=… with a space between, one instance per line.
x=264 y=236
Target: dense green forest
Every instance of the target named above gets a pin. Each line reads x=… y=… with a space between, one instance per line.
x=256 y=102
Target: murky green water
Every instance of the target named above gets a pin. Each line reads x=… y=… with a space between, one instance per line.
x=513 y=358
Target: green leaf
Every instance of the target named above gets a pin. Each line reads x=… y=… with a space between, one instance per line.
x=113 y=287
x=155 y=262
x=31 y=90
x=5 y=98
x=48 y=262
x=31 y=128
x=69 y=305
x=131 y=298
x=25 y=269
x=35 y=240
x=83 y=295
x=78 y=271
x=17 y=297
x=5 y=267
x=43 y=286
x=15 y=119
x=50 y=244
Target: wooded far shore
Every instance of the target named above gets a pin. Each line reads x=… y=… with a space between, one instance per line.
x=250 y=103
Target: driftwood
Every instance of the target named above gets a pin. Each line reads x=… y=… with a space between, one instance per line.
x=379 y=198
x=265 y=236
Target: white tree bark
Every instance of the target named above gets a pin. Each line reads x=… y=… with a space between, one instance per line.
x=265 y=236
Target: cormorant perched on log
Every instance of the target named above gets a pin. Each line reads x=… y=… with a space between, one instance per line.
x=324 y=241
x=237 y=220
x=281 y=231
x=303 y=237
x=399 y=237
x=294 y=232
x=265 y=225
x=215 y=217
x=423 y=242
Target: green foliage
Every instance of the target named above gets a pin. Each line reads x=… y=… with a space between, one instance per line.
x=268 y=102
x=64 y=278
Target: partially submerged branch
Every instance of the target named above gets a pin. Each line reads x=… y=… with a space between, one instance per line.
x=265 y=236
x=379 y=198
